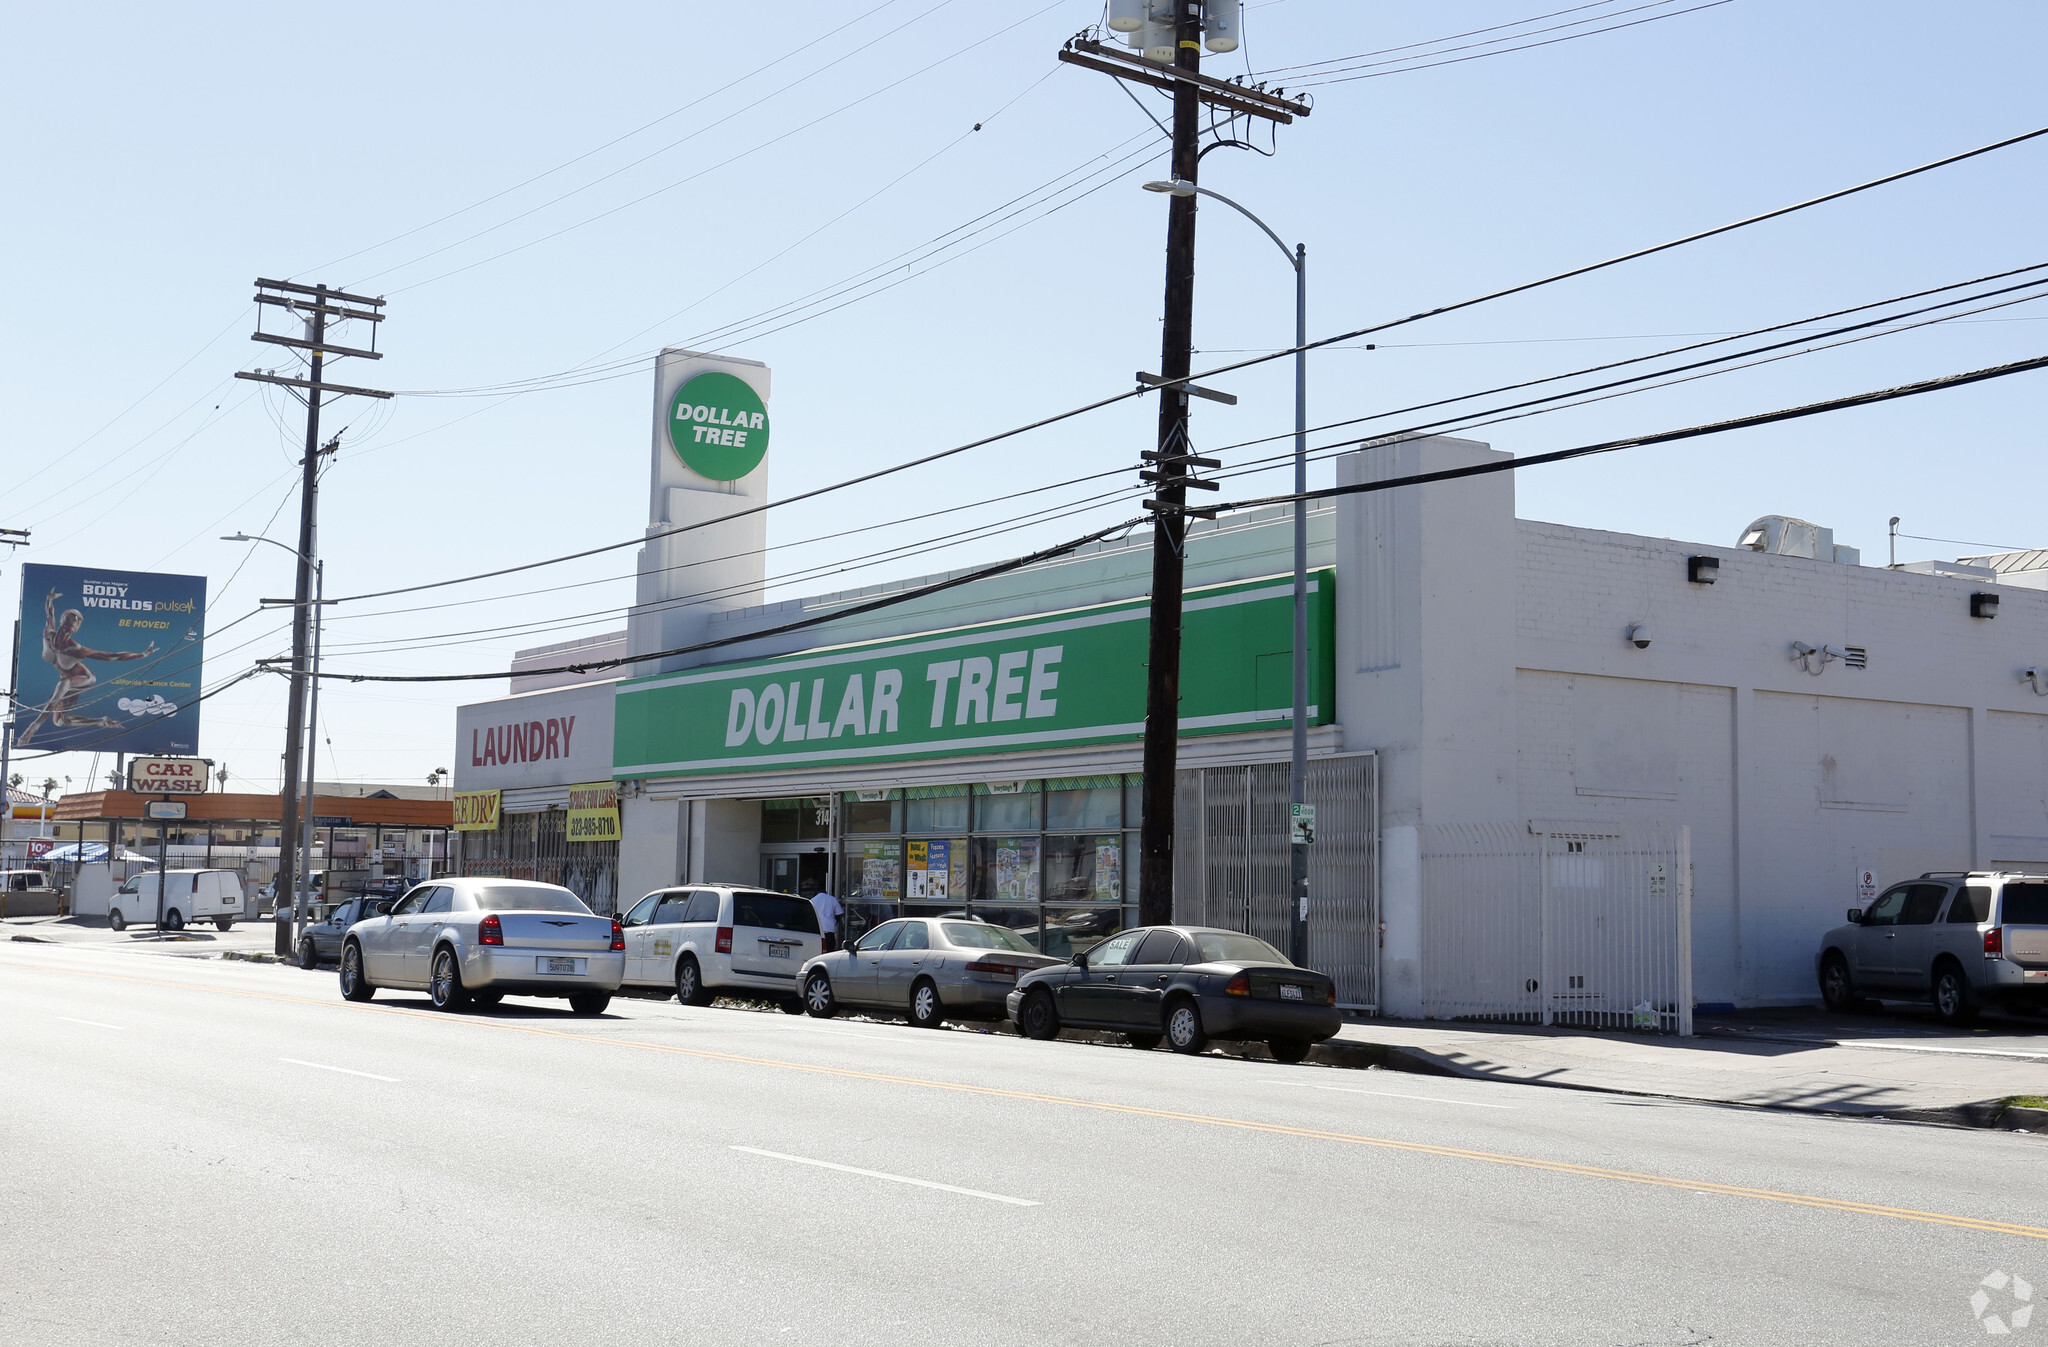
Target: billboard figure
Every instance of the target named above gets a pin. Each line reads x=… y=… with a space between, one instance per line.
x=62 y=648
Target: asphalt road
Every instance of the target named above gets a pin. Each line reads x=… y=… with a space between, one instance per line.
x=214 y=1153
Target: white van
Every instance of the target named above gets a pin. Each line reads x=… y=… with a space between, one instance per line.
x=189 y=895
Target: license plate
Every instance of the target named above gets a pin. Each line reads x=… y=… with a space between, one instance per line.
x=548 y=965
x=1289 y=992
x=778 y=951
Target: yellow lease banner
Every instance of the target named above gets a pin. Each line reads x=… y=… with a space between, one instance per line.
x=476 y=811
x=594 y=812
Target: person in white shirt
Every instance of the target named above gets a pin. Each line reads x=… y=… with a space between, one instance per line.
x=829 y=909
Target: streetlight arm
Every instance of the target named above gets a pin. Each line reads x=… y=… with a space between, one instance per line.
x=256 y=538
x=1285 y=251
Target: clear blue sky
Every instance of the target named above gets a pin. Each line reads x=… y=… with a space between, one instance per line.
x=163 y=157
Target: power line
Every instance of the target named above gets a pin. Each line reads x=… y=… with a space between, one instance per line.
x=1268 y=74
x=1853 y=400
x=723 y=163
x=1680 y=350
x=1868 y=399
x=1503 y=51
x=569 y=163
x=1352 y=335
x=1560 y=401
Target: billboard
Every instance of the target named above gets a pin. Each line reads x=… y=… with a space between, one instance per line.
x=109 y=661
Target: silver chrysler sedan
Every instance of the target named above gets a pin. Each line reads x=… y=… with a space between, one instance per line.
x=473 y=941
x=927 y=968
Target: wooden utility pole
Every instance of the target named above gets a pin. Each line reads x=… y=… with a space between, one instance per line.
x=315 y=305
x=1174 y=454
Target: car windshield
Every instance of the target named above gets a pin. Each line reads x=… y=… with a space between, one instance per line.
x=775 y=911
x=506 y=898
x=2025 y=905
x=1230 y=947
x=975 y=935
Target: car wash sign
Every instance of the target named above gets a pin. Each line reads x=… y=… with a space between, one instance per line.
x=718 y=425
x=1075 y=677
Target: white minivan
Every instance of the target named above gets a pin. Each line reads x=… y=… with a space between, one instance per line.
x=188 y=895
x=705 y=939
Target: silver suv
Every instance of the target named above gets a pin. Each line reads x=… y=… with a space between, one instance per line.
x=1958 y=939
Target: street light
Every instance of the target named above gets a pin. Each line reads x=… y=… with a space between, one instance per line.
x=1297 y=776
x=303 y=897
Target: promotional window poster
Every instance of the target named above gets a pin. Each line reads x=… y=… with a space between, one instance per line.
x=108 y=661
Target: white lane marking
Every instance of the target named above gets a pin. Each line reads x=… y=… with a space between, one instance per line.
x=322 y=1066
x=94 y=1023
x=892 y=1178
x=1389 y=1094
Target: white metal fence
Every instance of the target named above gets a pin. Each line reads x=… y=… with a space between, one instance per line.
x=1558 y=923
x=1232 y=862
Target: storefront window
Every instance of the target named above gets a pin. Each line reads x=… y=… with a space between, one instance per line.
x=874 y=871
x=1077 y=802
x=871 y=811
x=798 y=820
x=935 y=809
x=1084 y=869
x=1007 y=807
x=1134 y=800
x=935 y=870
x=1006 y=871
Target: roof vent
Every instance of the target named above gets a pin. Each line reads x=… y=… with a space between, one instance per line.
x=1783 y=536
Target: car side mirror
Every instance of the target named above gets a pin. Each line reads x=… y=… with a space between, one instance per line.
x=1080 y=959
x=1856 y=916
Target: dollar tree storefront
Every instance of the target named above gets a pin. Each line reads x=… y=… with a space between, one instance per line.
x=987 y=768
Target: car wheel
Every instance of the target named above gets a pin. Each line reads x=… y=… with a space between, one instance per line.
x=793 y=1006
x=1142 y=1042
x=116 y=920
x=445 y=985
x=174 y=920
x=1289 y=1050
x=1038 y=1017
x=309 y=958
x=1954 y=999
x=1837 y=987
x=354 y=985
x=926 y=1011
x=486 y=998
x=1184 y=1032
x=819 y=1002
x=224 y=923
x=589 y=1003
x=690 y=988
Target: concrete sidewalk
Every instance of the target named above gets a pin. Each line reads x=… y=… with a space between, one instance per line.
x=1918 y=1077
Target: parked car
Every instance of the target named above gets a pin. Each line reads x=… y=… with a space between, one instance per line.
x=929 y=968
x=704 y=939
x=475 y=941
x=1957 y=940
x=1188 y=985
x=26 y=893
x=321 y=941
x=188 y=895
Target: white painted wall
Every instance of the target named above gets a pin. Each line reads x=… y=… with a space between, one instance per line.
x=686 y=577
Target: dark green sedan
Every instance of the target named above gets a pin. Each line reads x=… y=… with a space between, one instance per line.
x=1188 y=985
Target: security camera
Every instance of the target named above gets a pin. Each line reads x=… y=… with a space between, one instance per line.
x=1639 y=635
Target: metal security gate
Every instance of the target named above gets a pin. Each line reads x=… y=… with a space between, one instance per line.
x=1231 y=862
x=1558 y=923
x=535 y=845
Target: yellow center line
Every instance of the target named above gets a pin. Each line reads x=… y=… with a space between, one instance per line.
x=1132 y=1110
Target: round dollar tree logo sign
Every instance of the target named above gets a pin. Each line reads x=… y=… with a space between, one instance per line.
x=718 y=426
